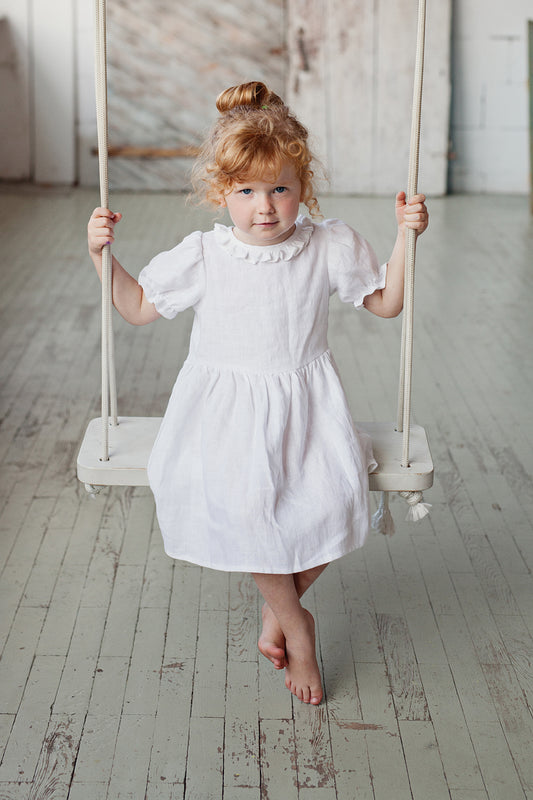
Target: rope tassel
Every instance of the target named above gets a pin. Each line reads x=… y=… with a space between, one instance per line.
x=382 y=520
x=92 y=491
x=417 y=508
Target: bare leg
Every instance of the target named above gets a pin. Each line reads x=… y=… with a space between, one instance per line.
x=298 y=628
x=272 y=641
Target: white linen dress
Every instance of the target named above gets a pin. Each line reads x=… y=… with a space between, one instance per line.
x=257 y=466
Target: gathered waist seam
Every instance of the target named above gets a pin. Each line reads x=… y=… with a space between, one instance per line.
x=194 y=361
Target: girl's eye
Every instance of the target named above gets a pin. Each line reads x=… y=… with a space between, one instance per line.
x=280 y=189
x=246 y=191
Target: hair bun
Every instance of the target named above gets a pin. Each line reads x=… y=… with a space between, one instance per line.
x=254 y=94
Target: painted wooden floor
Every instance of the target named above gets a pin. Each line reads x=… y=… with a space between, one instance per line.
x=125 y=675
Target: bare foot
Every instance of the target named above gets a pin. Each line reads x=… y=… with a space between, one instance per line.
x=272 y=641
x=302 y=676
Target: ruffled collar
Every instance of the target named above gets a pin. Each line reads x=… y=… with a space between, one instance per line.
x=256 y=254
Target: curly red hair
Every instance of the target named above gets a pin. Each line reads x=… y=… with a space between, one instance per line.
x=254 y=136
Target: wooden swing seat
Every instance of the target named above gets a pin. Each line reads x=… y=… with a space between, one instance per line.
x=131 y=441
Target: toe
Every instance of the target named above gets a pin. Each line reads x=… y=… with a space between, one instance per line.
x=272 y=652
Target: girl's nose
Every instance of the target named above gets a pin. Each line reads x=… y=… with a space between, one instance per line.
x=265 y=204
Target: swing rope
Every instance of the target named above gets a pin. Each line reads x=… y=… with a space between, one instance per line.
x=382 y=519
x=406 y=358
x=109 y=387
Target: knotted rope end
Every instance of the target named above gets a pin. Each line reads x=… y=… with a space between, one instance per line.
x=417 y=508
x=92 y=491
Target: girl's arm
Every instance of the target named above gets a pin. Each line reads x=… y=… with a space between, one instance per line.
x=128 y=296
x=388 y=302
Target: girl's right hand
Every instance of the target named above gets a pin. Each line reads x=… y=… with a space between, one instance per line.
x=100 y=230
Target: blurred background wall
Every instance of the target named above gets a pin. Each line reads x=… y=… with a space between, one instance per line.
x=345 y=68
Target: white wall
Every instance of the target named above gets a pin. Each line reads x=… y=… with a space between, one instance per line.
x=37 y=92
x=489 y=128
x=85 y=101
x=15 y=108
x=47 y=100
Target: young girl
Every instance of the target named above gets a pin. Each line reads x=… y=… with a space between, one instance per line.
x=257 y=466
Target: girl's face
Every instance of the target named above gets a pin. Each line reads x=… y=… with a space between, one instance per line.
x=264 y=213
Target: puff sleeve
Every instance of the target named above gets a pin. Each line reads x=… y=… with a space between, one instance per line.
x=353 y=268
x=175 y=279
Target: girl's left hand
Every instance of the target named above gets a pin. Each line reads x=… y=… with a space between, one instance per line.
x=413 y=214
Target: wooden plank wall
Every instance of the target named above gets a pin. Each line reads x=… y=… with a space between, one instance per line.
x=346 y=70
x=167 y=68
x=351 y=81
x=340 y=66
x=353 y=91
x=127 y=675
